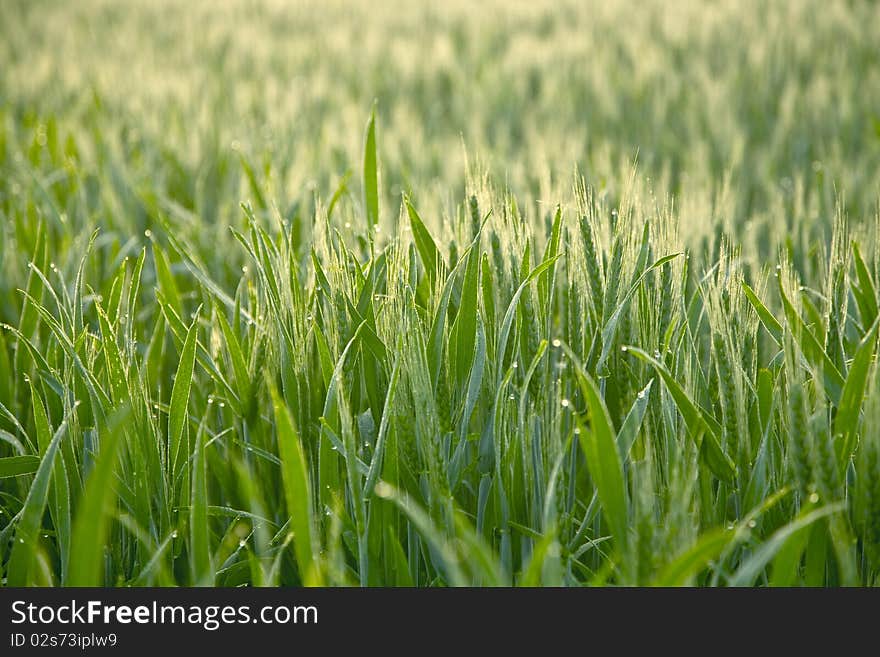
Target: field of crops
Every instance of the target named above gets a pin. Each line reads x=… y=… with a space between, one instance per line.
x=439 y=294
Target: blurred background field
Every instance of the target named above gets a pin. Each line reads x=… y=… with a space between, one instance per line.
x=187 y=248
x=738 y=109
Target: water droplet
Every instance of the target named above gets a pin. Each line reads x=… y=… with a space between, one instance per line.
x=174 y=534
x=624 y=349
x=21 y=540
x=814 y=497
x=511 y=397
x=383 y=489
x=514 y=364
x=641 y=394
x=210 y=400
x=148 y=233
x=752 y=524
x=557 y=342
x=577 y=431
x=244 y=270
x=242 y=543
x=565 y=403
x=222 y=405
x=348 y=224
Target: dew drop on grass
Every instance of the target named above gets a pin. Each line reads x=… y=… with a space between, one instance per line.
x=565 y=403
x=624 y=349
x=242 y=543
x=514 y=364
x=641 y=394
x=752 y=524
x=814 y=497
x=174 y=534
x=383 y=489
x=148 y=233
x=557 y=342
x=511 y=397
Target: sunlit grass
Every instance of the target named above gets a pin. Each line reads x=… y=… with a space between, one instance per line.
x=589 y=298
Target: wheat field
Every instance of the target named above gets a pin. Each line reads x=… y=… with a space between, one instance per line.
x=474 y=294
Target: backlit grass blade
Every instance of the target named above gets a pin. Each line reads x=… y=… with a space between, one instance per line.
x=699 y=427
x=609 y=331
x=432 y=260
x=812 y=350
x=603 y=459
x=428 y=530
x=92 y=519
x=865 y=293
x=20 y=570
x=682 y=570
x=15 y=466
x=774 y=328
x=199 y=532
x=177 y=412
x=752 y=567
x=297 y=490
x=629 y=430
x=371 y=183
x=463 y=334
x=510 y=314
x=847 y=418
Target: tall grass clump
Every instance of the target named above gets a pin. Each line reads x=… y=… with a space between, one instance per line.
x=250 y=339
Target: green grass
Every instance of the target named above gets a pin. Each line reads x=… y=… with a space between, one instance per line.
x=494 y=295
